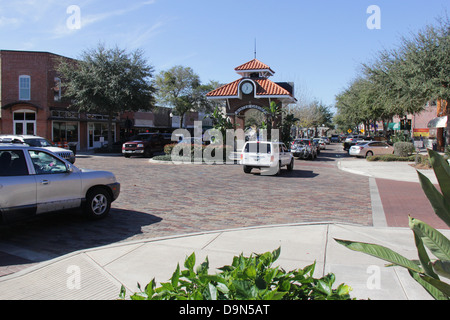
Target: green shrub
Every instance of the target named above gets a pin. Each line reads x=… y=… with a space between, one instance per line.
x=423 y=161
x=425 y=271
x=404 y=149
x=390 y=157
x=247 y=278
x=168 y=148
x=194 y=148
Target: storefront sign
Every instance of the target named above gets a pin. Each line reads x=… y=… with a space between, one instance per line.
x=421 y=132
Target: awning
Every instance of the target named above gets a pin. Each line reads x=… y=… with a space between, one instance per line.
x=394 y=126
x=439 y=122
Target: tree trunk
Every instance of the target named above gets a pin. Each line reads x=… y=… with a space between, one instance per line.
x=447 y=138
x=110 y=135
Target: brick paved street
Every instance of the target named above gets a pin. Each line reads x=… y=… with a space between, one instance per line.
x=165 y=199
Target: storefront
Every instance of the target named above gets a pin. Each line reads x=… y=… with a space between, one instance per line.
x=437 y=127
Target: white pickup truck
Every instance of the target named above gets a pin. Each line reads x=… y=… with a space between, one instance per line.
x=266 y=155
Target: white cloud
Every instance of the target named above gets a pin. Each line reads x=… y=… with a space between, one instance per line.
x=94 y=18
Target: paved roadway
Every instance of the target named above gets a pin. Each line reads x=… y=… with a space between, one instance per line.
x=163 y=199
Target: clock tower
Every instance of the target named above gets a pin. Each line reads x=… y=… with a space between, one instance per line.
x=254 y=90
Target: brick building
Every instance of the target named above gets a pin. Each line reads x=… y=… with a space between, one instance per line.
x=31 y=102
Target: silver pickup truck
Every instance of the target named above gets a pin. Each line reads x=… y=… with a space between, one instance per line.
x=34 y=180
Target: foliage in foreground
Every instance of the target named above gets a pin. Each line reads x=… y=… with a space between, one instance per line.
x=425 y=271
x=247 y=278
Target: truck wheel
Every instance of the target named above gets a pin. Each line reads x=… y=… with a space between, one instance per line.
x=247 y=169
x=290 y=166
x=278 y=169
x=148 y=153
x=98 y=203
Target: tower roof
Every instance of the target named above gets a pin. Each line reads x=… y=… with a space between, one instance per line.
x=254 y=66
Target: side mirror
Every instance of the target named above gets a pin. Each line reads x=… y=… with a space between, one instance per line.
x=69 y=168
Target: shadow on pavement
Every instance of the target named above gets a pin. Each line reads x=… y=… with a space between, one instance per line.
x=53 y=235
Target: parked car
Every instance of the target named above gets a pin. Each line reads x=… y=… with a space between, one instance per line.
x=370 y=148
x=266 y=155
x=304 y=149
x=353 y=140
x=35 y=180
x=320 y=143
x=36 y=141
x=335 y=138
x=144 y=144
x=325 y=139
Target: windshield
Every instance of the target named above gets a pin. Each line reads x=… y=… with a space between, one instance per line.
x=140 y=137
x=38 y=142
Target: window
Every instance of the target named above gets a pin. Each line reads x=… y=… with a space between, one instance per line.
x=13 y=163
x=257 y=147
x=57 y=89
x=24 y=122
x=45 y=163
x=24 y=88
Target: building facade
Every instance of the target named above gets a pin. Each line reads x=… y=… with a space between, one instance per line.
x=31 y=102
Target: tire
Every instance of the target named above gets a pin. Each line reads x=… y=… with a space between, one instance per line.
x=98 y=203
x=278 y=169
x=369 y=154
x=148 y=153
x=127 y=156
x=290 y=166
x=247 y=169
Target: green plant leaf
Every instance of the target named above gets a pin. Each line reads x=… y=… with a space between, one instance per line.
x=432 y=290
x=189 y=263
x=175 y=276
x=438 y=244
x=442 y=170
x=436 y=199
x=438 y=284
x=380 y=252
x=442 y=268
x=150 y=288
x=423 y=256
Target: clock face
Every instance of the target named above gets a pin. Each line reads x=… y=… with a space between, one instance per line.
x=247 y=87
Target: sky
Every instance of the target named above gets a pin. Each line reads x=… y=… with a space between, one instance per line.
x=317 y=44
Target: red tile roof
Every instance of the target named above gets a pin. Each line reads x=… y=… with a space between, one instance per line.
x=227 y=90
x=255 y=64
x=265 y=87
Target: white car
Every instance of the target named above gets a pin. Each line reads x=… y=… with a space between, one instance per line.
x=266 y=155
x=40 y=142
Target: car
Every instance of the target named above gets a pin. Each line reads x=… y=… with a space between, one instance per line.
x=320 y=143
x=266 y=155
x=335 y=138
x=36 y=141
x=325 y=139
x=304 y=149
x=370 y=148
x=353 y=140
x=144 y=144
x=35 y=180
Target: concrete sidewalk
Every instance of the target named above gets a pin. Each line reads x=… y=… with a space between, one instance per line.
x=98 y=273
